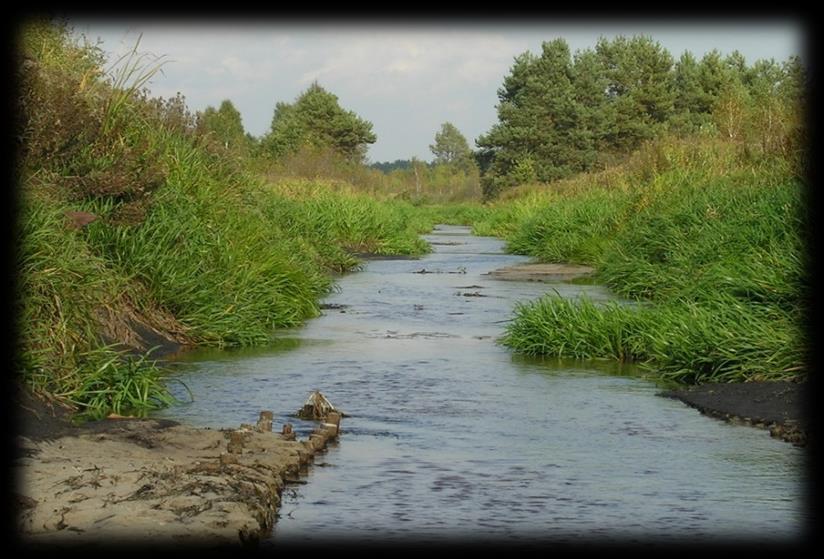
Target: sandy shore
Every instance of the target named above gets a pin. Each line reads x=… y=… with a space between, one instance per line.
x=157 y=482
x=541 y=272
x=151 y=481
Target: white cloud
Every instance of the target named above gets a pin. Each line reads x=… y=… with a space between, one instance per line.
x=248 y=69
x=405 y=80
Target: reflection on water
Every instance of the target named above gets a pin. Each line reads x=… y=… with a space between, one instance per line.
x=451 y=436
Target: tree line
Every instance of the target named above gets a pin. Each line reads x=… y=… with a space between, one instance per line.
x=559 y=113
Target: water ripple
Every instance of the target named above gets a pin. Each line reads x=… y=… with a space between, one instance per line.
x=449 y=435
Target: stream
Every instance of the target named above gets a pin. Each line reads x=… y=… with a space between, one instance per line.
x=450 y=436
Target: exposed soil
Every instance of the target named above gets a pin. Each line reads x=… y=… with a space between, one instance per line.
x=542 y=272
x=375 y=256
x=138 y=331
x=780 y=407
x=150 y=481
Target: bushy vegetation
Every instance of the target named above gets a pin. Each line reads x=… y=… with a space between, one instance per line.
x=316 y=120
x=132 y=206
x=562 y=114
x=177 y=230
x=410 y=180
x=223 y=128
x=711 y=246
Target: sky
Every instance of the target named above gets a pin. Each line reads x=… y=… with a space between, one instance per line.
x=407 y=80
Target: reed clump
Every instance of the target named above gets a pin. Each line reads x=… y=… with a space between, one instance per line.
x=175 y=228
x=708 y=241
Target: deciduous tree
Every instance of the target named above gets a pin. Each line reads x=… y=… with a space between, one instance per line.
x=451 y=148
x=224 y=125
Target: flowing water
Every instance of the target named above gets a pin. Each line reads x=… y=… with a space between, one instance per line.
x=449 y=436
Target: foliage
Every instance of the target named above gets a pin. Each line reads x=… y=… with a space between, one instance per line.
x=224 y=127
x=691 y=342
x=389 y=166
x=559 y=115
x=179 y=228
x=234 y=239
x=113 y=382
x=316 y=119
x=451 y=148
x=85 y=127
x=538 y=136
x=706 y=240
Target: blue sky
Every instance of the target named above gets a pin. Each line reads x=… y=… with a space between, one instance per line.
x=406 y=80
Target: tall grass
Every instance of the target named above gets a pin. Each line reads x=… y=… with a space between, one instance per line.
x=180 y=230
x=345 y=217
x=128 y=75
x=62 y=285
x=719 y=340
x=233 y=258
x=112 y=382
x=699 y=239
x=573 y=230
x=60 y=282
x=709 y=240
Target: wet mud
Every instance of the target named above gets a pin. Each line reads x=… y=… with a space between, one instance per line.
x=780 y=407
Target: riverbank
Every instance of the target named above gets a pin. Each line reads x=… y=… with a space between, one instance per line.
x=126 y=480
x=781 y=406
x=459 y=487
x=710 y=245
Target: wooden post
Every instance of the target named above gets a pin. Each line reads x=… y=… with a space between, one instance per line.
x=333 y=417
x=264 y=423
x=236 y=440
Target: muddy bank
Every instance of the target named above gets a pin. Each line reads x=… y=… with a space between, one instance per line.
x=780 y=407
x=375 y=256
x=138 y=331
x=542 y=272
x=152 y=481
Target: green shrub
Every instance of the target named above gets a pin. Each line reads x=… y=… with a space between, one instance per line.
x=710 y=242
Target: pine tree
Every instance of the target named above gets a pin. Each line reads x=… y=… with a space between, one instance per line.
x=596 y=115
x=316 y=120
x=640 y=88
x=539 y=135
x=508 y=140
x=689 y=107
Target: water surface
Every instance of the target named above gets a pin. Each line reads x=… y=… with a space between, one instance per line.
x=450 y=436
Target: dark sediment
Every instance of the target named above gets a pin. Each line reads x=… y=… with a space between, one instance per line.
x=779 y=406
x=39 y=419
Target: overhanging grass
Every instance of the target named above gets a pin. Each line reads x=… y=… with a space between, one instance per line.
x=685 y=341
x=233 y=259
x=712 y=244
x=180 y=229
